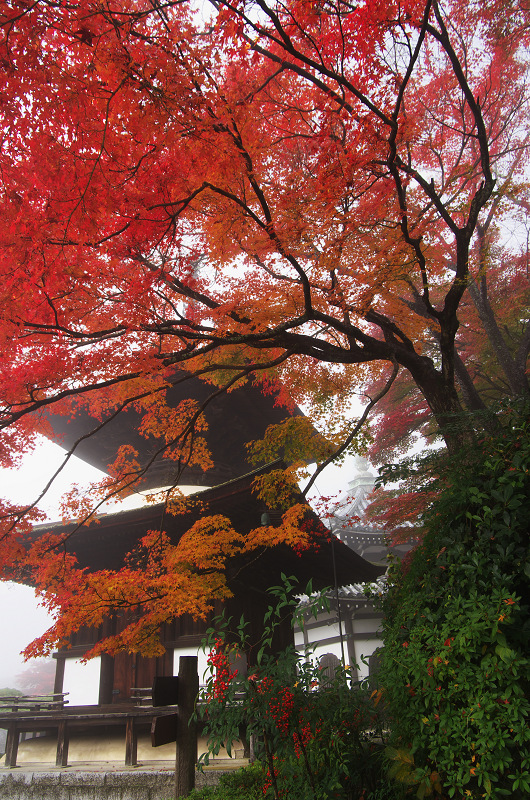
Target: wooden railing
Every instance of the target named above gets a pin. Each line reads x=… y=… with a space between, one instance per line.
x=19 y=702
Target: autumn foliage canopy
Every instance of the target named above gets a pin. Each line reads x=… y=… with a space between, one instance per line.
x=318 y=195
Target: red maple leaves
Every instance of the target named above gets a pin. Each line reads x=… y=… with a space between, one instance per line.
x=316 y=194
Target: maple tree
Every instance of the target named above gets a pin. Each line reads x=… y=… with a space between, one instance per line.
x=310 y=194
x=38 y=678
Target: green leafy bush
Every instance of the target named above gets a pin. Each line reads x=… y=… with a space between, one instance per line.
x=242 y=784
x=455 y=666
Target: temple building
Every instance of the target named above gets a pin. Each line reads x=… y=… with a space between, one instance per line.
x=349 y=523
x=111 y=686
x=351 y=630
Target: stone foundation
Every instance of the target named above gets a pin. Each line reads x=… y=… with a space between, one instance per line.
x=104 y=782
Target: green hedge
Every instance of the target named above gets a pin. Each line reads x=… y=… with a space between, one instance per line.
x=455 y=667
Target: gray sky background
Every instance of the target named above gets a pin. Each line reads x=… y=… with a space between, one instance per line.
x=21 y=618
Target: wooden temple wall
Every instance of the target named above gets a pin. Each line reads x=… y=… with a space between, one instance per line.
x=123 y=672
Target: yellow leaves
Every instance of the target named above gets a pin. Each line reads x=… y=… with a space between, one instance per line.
x=81 y=505
x=176 y=502
x=403 y=770
x=125 y=465
x=295 y=439
x=403 y=761
x=294 y=531
x=180 y=428
x=164 y=581
x=436 y=782
x=376 y=696
x=161 y=580
x=48 y=562
x=276 y=487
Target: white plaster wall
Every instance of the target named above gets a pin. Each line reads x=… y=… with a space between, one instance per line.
x=367 y=625
x=81 y=681
x=321 y=634
x=365 y=648
x=193 y=651
x=298 y=639
x=327 y=647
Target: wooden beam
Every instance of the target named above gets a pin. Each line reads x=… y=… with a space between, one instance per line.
x=59 y=673
x=165 y=691
x=106 y=679
x=164 y=730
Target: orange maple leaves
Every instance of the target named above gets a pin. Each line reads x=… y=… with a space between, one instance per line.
x=163 y=581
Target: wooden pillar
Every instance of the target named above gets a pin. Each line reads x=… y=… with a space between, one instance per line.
x=131 y=743
x=59 y=673
x=186 y=728
x=348 y=627
x=12 y=745
x=106 y=680
x=63 y=742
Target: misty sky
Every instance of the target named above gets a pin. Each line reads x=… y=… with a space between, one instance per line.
x=21 y=618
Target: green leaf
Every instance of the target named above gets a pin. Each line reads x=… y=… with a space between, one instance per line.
x=506 y=654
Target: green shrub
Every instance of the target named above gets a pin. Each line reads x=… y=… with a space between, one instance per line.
x=249 y=783
x=455 y=666
x=318 y=736
x=242 y=784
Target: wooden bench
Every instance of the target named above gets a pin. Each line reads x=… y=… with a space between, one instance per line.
x=169 y=723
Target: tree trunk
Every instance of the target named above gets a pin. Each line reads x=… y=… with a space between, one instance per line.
x=455 y=425
x=516 y=377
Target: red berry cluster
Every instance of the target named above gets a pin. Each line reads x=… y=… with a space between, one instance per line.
x=264 y=685
x=302 y=737
x=220 y=662
x=281 y=709
x=268 y=779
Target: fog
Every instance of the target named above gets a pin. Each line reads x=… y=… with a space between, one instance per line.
x=22 y=619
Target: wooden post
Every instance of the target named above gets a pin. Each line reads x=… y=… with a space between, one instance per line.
x=12 y=745
x=131 y=743
x=186 y=728
x=63 y=741
x=106 y=680
x=59 y=674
